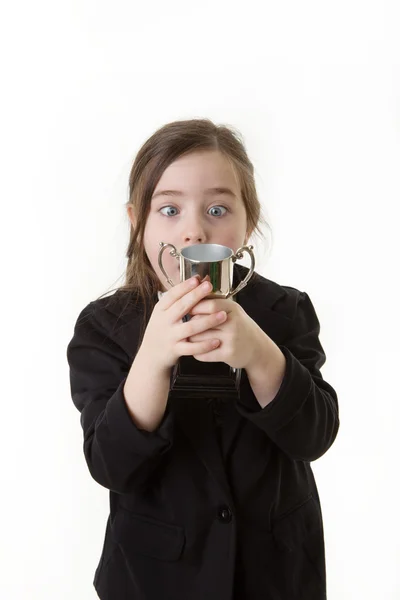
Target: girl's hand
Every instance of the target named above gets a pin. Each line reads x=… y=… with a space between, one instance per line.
x=241 y=338
x=165 y=338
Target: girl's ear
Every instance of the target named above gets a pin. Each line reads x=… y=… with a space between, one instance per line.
x=131 y=215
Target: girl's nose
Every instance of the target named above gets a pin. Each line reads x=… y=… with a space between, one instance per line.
x=194 y=234
x=193 y=239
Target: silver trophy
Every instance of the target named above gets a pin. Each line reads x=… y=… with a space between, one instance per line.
x=212 y=262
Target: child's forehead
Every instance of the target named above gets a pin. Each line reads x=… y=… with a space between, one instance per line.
x=208 y=169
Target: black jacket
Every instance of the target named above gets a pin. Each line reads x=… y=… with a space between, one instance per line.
x=194 y=515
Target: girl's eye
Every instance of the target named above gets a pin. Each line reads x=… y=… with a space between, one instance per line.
x=215 y=210
x=169 y=208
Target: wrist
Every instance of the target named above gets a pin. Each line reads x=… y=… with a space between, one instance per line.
x=266 y=355
x=149 y=363
x=260 y=349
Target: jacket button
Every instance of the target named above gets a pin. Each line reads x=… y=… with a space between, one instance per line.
x=225 y=514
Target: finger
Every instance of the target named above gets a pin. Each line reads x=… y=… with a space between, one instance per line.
x=177 y=292
x=206 y=335
x=184 y=304
x=216 y=331
x=196 y=326
x=212 y=305
x=200 y=348
x=212 y=355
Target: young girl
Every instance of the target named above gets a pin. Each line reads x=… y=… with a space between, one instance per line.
x=208 y=500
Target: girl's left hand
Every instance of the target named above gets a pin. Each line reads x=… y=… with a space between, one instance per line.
x=241 y=339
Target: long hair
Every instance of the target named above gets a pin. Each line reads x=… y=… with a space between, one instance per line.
x=166 y=145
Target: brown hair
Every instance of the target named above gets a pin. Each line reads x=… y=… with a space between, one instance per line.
x=165 y=146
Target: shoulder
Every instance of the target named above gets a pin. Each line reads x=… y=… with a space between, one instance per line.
x=110 y=314
x=109 y=325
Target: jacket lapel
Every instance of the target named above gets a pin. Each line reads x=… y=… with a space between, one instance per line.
x=259 y=299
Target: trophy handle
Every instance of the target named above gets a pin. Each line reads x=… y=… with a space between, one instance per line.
x=173 y=252
x=239 y=254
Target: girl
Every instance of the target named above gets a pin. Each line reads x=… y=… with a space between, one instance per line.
x=208 y=501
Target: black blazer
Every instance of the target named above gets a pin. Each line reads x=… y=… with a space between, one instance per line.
x=184 y=523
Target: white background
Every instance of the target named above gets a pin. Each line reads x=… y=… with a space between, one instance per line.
x=314 y=87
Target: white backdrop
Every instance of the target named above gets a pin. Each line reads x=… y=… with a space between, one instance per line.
x=314 y=87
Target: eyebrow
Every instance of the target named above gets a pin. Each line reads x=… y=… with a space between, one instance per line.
x=209 y=191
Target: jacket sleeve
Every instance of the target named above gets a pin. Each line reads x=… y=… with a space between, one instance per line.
x=303 y=418
x=120 y=456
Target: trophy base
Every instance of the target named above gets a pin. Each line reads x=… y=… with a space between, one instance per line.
x=191 y=378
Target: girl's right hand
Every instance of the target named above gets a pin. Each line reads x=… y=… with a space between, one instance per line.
x=165 y=338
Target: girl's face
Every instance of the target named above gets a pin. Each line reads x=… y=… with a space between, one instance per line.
x=196 y=201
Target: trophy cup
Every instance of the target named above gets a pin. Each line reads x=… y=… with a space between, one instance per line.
x=191 y=378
